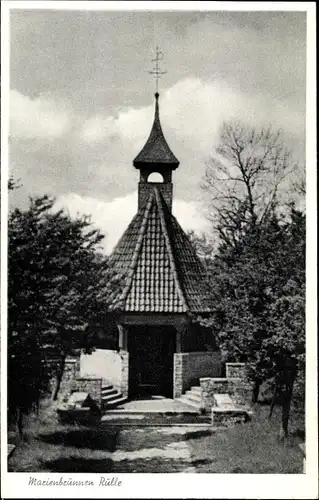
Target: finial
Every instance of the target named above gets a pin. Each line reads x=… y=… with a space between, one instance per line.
x=156 y=70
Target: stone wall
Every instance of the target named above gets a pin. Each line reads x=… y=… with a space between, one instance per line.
x=189 y=367
x=239 y=389
x=71 y=371
x=91 y=385
x=72 y=382
x=240 y=385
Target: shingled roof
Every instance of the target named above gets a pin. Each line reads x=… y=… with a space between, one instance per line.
x=159 y=268
x=156 y=150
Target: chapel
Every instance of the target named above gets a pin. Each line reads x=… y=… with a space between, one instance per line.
x=162 y=349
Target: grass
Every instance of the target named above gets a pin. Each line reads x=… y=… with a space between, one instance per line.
x=251 y=448
x=49 y=446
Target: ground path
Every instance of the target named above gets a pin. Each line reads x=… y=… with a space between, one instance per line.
x=154 y=449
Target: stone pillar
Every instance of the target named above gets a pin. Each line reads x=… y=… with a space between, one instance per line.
x=181 y=345
x=178 y=375
x=181 y=337
x=123 y=348
x=124 y=373
x=122 y=337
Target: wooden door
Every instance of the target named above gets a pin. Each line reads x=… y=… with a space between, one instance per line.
x=151 y=351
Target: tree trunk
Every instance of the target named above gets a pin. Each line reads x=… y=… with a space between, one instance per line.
x=19 y=422
x=286 y=407
x=59 y=377
x=273 y=400
x=257 y=384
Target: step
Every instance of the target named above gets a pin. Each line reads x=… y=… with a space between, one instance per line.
x=228 y=417
x=193 y=397
x=223 y=401
x=115 y=402
x=196 y=388
x=111 y=397
x=183 y=399
x=153 y=419
x=107 y=387
x=197 y=394
x=107 y=392
x=181 y=409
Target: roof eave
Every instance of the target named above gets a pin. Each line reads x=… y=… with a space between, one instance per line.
x=163 y=165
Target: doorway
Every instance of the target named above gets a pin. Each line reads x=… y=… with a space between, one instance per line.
x=151 y=354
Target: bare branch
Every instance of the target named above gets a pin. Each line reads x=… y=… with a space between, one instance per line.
x=243 y=176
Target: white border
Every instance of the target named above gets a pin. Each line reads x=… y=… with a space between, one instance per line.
x=161 y=5
x=14 y=485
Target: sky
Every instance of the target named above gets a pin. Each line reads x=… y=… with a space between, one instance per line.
x=82 y=103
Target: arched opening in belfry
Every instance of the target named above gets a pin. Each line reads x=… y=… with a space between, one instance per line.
x=155 y=177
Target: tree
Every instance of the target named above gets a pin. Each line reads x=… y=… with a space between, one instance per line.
x=203 y=246
x=58 y=295
x=287 y=321
x=258 y=292
x=242 y=178
x=258 y=269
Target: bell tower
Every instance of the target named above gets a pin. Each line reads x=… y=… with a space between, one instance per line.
x=156 y=155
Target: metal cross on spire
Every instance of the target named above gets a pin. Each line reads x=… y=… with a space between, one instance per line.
x=156 y=71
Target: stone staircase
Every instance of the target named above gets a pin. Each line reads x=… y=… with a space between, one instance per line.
x=111 y=398
x=192 y=398
x=155 y=411
x=224 y=413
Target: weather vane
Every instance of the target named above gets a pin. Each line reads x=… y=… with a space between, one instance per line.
x=156 y=71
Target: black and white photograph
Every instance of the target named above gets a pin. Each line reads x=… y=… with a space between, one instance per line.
x=158 y=254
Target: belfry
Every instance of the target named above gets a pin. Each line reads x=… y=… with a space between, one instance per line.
x=163 y=350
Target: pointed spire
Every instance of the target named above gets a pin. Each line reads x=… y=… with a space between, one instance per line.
x=156 y=150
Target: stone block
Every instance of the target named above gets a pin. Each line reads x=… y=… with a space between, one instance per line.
x=210 y=387
x=236 y=370
x=240 y=390
x=223 y=400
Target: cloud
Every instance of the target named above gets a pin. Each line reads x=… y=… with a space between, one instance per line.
x=112 y=217
x=193 y=110
x=92 y=154
x=130 y=124
x=39 y=118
